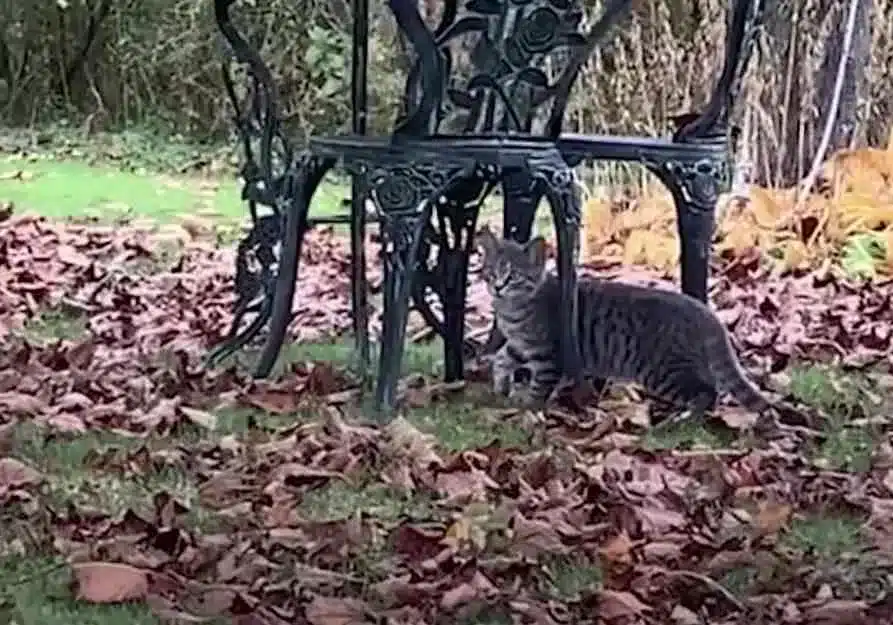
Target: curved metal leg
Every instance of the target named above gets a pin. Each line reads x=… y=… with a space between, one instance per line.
x=556 y=179
x=404 y=195
x=401 y=233
x=300 y=191
x=457 y=218
x=255 y=277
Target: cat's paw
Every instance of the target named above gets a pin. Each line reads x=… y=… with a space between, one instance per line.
x=502 y=382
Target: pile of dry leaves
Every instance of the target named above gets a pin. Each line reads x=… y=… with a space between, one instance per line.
x=486 y=530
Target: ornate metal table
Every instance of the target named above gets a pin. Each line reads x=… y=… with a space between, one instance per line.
x=480 y=111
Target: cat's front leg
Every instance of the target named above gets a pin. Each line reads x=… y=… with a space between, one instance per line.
x=534 y=384
x=504 y=365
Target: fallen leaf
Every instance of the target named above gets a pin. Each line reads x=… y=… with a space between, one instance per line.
x=109 y=582
x=772 y=517
x=200 y=417
x=16 y=474
x=336 y=611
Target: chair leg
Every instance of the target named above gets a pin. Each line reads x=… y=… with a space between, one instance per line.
x=401 y=234
x=358 y=281
x=253 y=280
x=461 y=220
x=309 y=173
x=695 y=187
x=557 y=180
x=520 y=201
x=695 y=235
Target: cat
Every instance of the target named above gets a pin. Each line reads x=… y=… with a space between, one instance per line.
x=670 y=343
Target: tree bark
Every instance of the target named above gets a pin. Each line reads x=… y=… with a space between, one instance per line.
x=846 y=128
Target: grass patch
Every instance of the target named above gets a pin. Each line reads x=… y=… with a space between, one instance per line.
x=54 y=325
x=339 y=500
x=841 y=397
x=73 y=189
x=838 y=394
x=841 y=557
x=740 y=581
x=848 y=449
x=827 y=539
x=35 y=591
x=687 y=434
x=459 y=425
x=571 y=578
x=70 y=465
x=241 y=420
x=423 y=358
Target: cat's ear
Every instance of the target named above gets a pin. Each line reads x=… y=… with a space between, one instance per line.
x=536 y=251
x=485 y=239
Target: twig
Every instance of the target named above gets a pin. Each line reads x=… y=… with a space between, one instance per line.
x=710 y=583
x=810 y=179
x=699 y=453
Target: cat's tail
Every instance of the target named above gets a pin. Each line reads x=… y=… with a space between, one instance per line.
x=730 y=375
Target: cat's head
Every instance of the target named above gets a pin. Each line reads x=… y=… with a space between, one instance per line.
x=512 y=271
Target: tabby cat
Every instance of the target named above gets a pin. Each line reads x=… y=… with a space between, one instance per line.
x=670 y=343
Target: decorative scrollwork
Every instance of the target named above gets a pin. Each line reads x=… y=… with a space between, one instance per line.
x=512 y=48
x=257 y=260
x=267 y=152
x=549 y=169
x=400 y=187
x=699 y=181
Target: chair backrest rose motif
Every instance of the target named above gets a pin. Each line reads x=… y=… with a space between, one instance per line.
x=497 y=66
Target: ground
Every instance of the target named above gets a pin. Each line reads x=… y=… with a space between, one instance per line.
x=135 y=485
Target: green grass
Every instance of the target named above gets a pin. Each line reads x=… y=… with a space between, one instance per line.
x=840 y=397
x=827 y=538
x=424 y=358
x=339 y=500
x=86 y=470
x=570 y=578
x=55 y=325
x=71 y=189
x=35 y=591
x=463 y=425
x=687 y=434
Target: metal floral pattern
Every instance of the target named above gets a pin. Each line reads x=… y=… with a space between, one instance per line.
x=698 y=181
x=505 y=83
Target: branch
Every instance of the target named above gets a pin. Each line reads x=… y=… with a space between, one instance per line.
x=819 y=158
x=78 y=61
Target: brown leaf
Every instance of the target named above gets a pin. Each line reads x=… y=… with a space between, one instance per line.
x=533 y=538
x=617 y=551
x=16 y=474
x=615 y=604
x=200 y=417
x=772 y=517
x=21 y=404
x=109 y=582
x=336 y=611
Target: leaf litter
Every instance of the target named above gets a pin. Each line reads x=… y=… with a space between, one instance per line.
x=649 y=536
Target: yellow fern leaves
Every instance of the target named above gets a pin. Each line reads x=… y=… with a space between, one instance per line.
x=853 y=200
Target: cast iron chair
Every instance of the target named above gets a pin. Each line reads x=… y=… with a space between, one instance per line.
x=475 y=117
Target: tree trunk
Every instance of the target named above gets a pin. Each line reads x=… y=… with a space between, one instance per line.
x=846 y=127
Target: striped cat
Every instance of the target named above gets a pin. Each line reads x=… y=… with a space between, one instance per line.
x=668 y=342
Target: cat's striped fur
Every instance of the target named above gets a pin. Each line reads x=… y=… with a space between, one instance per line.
x=670 y=343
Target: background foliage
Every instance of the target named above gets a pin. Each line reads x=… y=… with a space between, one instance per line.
x=110 y=63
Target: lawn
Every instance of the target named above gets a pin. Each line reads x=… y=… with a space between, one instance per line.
x=135 y=486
